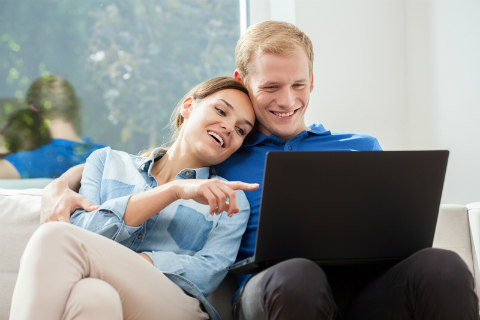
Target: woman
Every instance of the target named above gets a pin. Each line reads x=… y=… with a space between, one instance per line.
x=167 y=210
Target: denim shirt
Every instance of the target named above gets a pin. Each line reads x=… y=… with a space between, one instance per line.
x=185 y=242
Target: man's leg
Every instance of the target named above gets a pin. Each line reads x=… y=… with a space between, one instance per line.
x=292 y=289
x=431 y=284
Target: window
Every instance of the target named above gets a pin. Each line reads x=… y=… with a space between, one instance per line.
x=129 y=61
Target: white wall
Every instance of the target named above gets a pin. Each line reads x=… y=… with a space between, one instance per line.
x=405 y=71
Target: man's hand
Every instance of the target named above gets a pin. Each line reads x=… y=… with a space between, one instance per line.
x=59 y=201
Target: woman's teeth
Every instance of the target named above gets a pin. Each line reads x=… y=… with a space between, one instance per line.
x=217 y=137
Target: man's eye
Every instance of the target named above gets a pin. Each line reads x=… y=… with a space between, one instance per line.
x=240 y=131
x=220 y=111
x=270 y=88
x=299 y=85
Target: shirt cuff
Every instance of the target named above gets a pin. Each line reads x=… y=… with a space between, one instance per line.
x=166 y=261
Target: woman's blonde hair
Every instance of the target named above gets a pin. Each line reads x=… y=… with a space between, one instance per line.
x=197 y=93
x=274 y=37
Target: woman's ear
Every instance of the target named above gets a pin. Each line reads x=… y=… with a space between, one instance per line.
x=186 y=107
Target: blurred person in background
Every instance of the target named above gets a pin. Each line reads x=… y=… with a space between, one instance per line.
x=54 y=100
x=24 y=130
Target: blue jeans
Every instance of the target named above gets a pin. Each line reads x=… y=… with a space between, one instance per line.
x=430 y=284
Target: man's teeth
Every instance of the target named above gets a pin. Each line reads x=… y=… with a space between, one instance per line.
x=217 y=137
x=287 y=114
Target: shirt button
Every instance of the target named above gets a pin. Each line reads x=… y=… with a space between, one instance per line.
x=187 y=173
x=139 y=236
x=289 y=147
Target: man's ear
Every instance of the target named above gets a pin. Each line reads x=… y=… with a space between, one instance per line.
x=311 y=84
x=237 y=77
x=186 y=107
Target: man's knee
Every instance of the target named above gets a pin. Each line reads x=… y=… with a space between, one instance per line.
x=440 y=263
x=297 y=287
x=296 y=276
x=440 y=272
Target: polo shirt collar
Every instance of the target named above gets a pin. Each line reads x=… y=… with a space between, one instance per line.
x=256 y=137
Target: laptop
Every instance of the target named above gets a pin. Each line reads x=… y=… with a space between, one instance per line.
x=347 y=207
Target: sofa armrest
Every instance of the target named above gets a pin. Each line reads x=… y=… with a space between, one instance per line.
x=474 y=218
x=453 y=232
x=19 y=217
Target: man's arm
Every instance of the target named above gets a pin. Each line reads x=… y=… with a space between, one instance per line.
x=8 y=171
x=60 y=197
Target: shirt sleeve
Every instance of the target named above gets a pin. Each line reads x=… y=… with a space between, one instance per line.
x=376 y=145
x=108 y=219
x=208 y=266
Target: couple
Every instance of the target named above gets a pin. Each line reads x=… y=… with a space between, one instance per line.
x=274 y=61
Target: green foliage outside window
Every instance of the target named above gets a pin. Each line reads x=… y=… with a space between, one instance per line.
x=129 y=61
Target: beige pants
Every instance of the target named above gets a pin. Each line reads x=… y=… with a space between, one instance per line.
x=70 y=273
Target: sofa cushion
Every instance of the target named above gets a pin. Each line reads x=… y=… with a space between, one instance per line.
x=19 y=217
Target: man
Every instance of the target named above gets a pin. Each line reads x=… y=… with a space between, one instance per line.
x=54 y=100
x=275 y=62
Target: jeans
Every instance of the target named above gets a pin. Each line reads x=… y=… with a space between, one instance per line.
x=430 y=284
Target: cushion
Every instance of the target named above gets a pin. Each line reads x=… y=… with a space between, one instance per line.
x=19 y=217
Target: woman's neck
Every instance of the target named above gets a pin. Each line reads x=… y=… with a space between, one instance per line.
x=175 y=160
x=62 y=129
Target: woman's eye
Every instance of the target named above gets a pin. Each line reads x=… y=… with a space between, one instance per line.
x=240 y=131
x=220 y=111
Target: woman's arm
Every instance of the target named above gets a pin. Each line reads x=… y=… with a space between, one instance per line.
x=208 y=266
x=60 y=197
x=8 y=171
x=219 y=195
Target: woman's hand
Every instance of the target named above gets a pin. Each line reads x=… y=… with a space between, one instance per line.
x=219 y=195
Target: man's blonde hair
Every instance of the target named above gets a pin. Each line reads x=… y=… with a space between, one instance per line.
x=273 y=37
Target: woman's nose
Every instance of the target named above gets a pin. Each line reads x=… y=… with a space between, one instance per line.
x=228 y=127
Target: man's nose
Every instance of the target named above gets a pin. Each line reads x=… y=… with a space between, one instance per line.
x=286 y=98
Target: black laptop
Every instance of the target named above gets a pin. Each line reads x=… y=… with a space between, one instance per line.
x=346 y=207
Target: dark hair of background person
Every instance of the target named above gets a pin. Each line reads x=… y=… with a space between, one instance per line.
x=25 y=129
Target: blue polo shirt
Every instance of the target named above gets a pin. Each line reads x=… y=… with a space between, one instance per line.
x=53 y=159
x=248 y=164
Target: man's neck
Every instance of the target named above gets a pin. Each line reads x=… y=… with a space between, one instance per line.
x=62 y=129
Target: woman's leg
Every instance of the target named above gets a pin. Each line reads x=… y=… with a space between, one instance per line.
x=59 y=255
x=93 y=299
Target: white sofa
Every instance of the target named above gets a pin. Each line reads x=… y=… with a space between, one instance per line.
x=19 y=217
